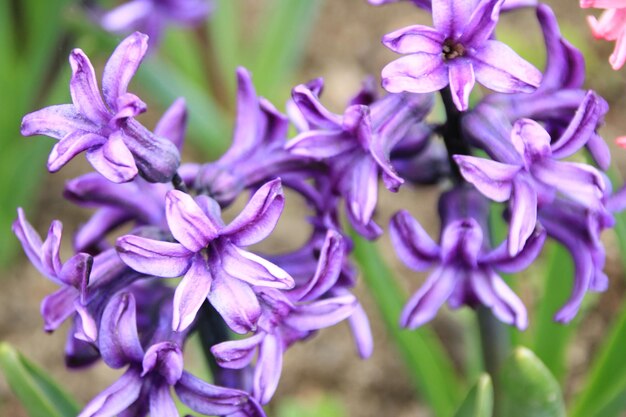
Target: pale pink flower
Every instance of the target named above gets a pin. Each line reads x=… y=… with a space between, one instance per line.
x=611 y=26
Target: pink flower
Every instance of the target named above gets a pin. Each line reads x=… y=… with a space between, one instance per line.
x=611 y=26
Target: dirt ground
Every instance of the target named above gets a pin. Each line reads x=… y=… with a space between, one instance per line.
x=344 y=47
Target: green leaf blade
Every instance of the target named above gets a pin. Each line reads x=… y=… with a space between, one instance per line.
x=479 y=401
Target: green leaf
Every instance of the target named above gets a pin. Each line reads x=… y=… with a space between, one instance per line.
x=479 y=401
x=311 y=406
x=426 y=360
x=285 y=27
x=224 y=33
x=551 y=338
x=528 y=388
x=40 y=395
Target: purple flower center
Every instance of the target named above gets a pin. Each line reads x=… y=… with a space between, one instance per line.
x=452 y=49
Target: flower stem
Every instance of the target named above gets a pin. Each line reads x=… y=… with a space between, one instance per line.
x=495 y=347
x=452 y=133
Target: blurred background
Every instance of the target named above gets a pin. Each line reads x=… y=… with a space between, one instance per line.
x=283 y=43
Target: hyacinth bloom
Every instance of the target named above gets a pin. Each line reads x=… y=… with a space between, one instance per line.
x=146 y=385
x=287 y=318
x=209 y=256
x=458 y=51
x=426 y=4
x=465 y=271
x=611 y=26
x=534 y=177
x=152 y=16
x=357 y=146
x=116 y=145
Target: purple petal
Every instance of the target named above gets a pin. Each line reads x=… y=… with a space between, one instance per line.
x=190 y=293
x=153 y=257
x=253 y=269
x=187 y=222
x=237 y=354
x=76 y=271
x=362 y=193
x=361 y=331
x=424 y=304
x=313 y=111
x=461 y=75
x=415 y=73
x=209 y=399
x=86 y=327
x=127 y=105
x=84 y=89
x=115 y=398
x=450 y=16
x=321 y=314
x=57 y=307
x=493 y=179
x=113 y=159
x=236 y=303
x=173 y=123
x=500 y=258
x=411 y=242
x=50 y=257
x=599 y=151
x=580 y=129
x=499 y=68
x=531 y=141
x=118 y=338
x=523 y=207
x=493 y=293
x=161 y=402
x=582 y=279
x=70 y=146
x=166 y=359
x=127 y=16
x=257 y=220
x=122 y=66
x=98 y=226
x=30 y=240
x=482 y=23
x=268 y=368
x=320 y=144
x=461 y=242
x=413 y=39
x=56 y=122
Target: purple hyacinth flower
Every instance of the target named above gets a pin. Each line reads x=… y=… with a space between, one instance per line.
x=426 y=4
x=116 y=145
x=534 y=177
x=357 y=146
x=287 y=318
x=465 y=270
x=257 y=153
x=72 y=276
x=146 y=385
x=209 y=255
x=457 y=52
x=152 y=16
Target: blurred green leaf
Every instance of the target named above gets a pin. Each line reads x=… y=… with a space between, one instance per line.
x=285 y=27
x=312 y=406
x=426 y=360
x=551 y=339
x=479 y=401
x=528 y=389
x=40 y=395
x=224 y=27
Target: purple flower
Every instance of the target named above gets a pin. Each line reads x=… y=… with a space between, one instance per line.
x=457 y=52
x=152 y=16
x=533 y=176
x=257 y=153
x=426 y=4
x=357 y=146
x=465 y=269
x=209 y=256
x=145 y=387
x=116 y=145
x=287 y=318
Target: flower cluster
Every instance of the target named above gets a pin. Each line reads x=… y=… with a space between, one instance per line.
x=513 y=147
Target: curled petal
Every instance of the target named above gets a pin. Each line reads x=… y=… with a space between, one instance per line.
x=531 y=141
x=415 y=73
x=237 y=354
x=153 y=257
x=70 y=146
x=257 y=220
x=362 y=189
x=493 y=293
x=161 y=402
x=313 y=111
x=126 y=16
x=361 y=331
x=413 y=39
x=30 y=240
x=76 y=271
x=122 y=66
x=523 y=215
x=118 y=338
x=50 y=257
x=173 y=123
x=56 y=121
x=236 y=303
x=424 y=304
x=115 y=398
x=254 y=270
x=462 y=81
x=191 y=292
x=411 y=242
x=491 y=178
x=320 y=144
x=268 y=368
x=481 y=24
x=321 y=314
x=84 y=89
x=57 y=307
x=188 y=223
x=113 y=159
x=500 y=258
x=166 y=358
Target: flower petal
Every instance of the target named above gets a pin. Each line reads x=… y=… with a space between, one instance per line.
x=424 y=304
x=313 y=111
x=115 y=398
x=320 y=144
x=451 y=16
x=413 y=39
x=411 y=242
x=187 y=222
x=461 y=75
x=57 y=307
x=122 y=66
x=500 y=258
x=322 y=313
x=154 y=257
x=237 y=354
x=268 y=368
x=236 y=303
x=523 y=207
x=190 y=293
x=259 y=217
x=70 y=146
x=415 y=73
x=493 y=179
x=173 y=123
x=499 y=68
x=161 y=401
x=481 y=24
x=493 y=293
x=113 y=159
x=118 y=339
x=84 y=89
x=55 y=121
x=253 y=269
x=362 y=189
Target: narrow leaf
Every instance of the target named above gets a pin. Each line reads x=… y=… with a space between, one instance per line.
x=479 y=401
x=40 y=395
x=528 y=388
x=426 y=360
